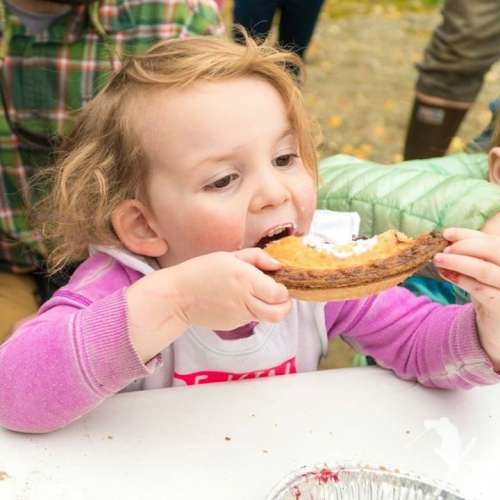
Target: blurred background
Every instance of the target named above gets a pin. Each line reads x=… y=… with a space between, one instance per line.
x=361 y=76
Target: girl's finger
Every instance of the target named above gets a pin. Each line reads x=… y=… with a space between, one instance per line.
x=480 y=270
x=258 y=258
x=480 y=248
x=485 y=294
x=265 y=289
x=460 y=233
x=267 y=312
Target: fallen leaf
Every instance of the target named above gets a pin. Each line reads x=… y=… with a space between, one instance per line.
x=335 y=121
x=364 y=151
x=348 y=149
x=388 y=104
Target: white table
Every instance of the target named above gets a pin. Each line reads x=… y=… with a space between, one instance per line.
x=236 y=440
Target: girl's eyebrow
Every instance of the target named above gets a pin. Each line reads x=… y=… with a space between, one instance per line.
x=286 y=133
x=289 y=132
x=224 y=156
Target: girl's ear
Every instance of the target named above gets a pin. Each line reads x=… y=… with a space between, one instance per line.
x=135 y=227
x=494 y=165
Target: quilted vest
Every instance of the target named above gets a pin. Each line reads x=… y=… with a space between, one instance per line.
x=413 y=196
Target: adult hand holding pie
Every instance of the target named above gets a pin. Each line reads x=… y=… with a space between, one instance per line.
x=472 y=262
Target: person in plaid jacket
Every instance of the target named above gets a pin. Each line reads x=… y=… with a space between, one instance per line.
x=54 y=57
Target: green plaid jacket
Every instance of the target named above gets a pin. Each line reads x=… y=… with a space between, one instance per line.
x=46 y=77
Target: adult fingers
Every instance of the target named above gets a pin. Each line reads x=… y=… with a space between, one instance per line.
x=478 y=269
x=453 y=234
x=487 y=295
x=480 y=248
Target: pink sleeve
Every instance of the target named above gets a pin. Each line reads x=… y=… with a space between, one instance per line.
x=66 y=361
x=418 y=339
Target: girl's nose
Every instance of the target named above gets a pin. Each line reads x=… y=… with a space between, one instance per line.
x=271 y=192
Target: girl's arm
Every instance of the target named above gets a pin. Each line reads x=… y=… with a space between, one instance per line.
x=66 y=361
x=418 y=339
x=78 y=351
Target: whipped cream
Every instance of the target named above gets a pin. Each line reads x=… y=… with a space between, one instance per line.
x=339 y=249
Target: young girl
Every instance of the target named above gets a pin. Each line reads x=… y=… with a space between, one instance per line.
x=190 y=157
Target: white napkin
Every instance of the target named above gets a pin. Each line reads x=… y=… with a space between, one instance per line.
x=335 y=227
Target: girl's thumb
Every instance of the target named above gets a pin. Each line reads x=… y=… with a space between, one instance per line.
x=258 y=258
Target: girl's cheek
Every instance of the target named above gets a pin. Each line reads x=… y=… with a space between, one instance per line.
x=220 y=235
x=308 y=201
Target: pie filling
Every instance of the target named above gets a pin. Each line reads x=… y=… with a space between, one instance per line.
x=340 y=250
x=392 y=254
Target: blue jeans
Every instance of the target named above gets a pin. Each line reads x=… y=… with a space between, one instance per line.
x=298 y=19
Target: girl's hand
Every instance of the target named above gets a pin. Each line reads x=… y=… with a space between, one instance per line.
x=225 y=290
x=221 y=291
x=472 y=262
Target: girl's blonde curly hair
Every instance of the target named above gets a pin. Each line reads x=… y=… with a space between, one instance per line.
x=102 y=163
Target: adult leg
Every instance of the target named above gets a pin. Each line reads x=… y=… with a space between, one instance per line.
x=462 y=49
x=256 y=16
x=18 y=300
x=298 y=20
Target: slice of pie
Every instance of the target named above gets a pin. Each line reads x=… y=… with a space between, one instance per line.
x=316 y=270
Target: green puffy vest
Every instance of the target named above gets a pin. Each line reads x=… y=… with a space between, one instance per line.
x=414 y=196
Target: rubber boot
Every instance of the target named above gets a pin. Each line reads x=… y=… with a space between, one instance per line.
x=431 y=130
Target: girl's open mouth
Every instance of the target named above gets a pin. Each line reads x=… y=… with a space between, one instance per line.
x=276 y=233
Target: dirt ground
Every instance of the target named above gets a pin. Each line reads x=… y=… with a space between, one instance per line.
x=360 y=83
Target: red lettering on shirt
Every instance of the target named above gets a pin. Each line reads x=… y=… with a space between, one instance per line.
x=208 y=377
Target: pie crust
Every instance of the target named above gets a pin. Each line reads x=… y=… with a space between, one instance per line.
x=310 y=274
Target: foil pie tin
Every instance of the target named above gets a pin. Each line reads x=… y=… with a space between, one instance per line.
x=358 y=482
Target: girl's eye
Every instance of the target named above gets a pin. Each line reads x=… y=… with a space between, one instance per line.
x=222 y=182
x=284 y=160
